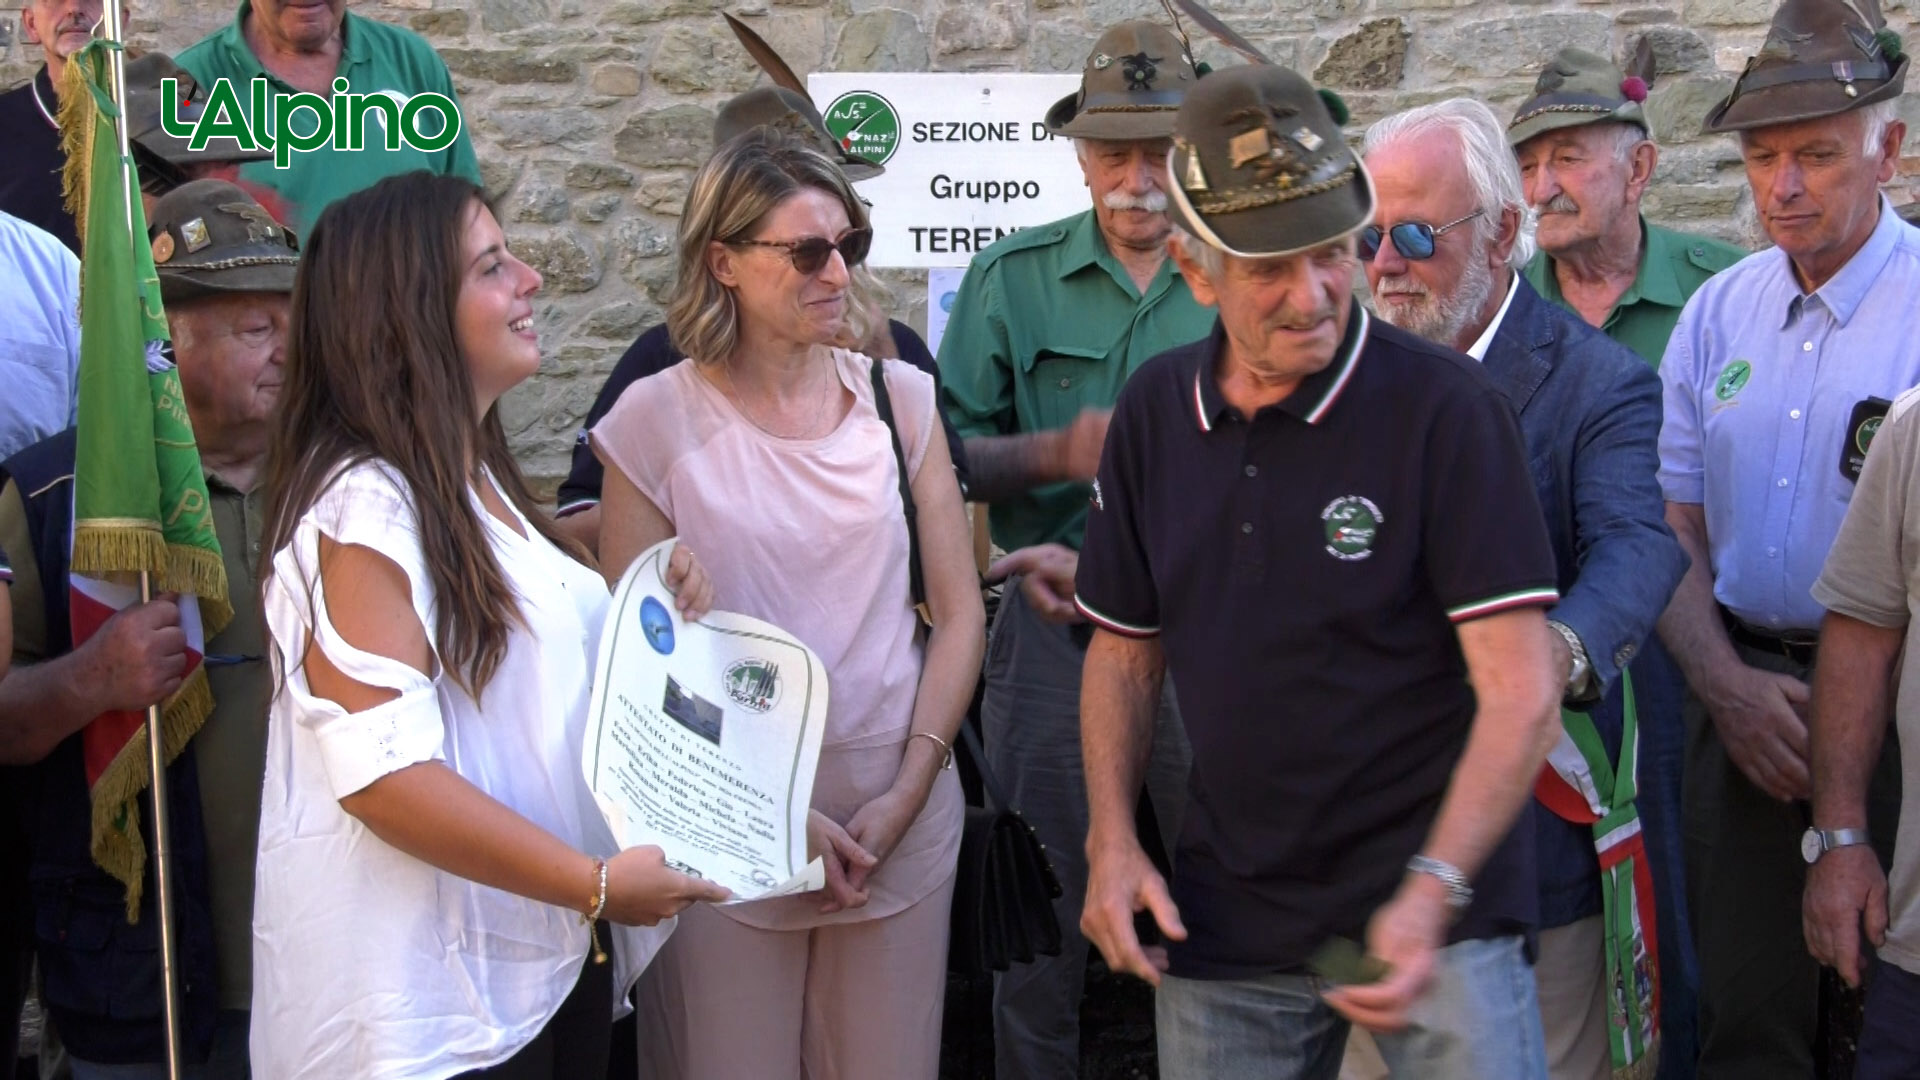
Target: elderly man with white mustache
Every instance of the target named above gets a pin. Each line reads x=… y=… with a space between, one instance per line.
x=1048 y=325
x=1586 y=161
x=1442 y=258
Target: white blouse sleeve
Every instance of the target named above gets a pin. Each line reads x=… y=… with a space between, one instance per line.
x=366 y=506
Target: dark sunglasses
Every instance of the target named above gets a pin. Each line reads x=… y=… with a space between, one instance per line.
x=1412 y=239
x=811 y=254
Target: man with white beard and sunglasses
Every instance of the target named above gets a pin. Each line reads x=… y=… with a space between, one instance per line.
x=1442 y=258
x=1048 y=325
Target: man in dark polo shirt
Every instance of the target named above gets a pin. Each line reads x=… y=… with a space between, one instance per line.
x=1324 y=530
x=30 y=178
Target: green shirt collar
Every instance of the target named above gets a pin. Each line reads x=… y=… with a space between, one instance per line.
x=1087 y=247
x=1654 y=283
x=233 y=39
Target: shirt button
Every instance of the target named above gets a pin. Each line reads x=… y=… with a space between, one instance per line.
x=1065 y=383
x=1773 y=553
x=1253 y=470
x=1782 y=482
x=1795 y=414
x=1246 y=527
x=1806 y=346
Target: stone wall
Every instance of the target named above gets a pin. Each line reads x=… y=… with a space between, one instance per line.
x=589 y=115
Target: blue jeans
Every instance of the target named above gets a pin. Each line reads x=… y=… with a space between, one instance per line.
x=1479 y=1019
x=226 y=1060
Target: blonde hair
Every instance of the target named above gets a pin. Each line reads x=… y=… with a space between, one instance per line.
x=732 y=192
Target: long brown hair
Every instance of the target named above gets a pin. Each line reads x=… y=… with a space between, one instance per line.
x=374 y=372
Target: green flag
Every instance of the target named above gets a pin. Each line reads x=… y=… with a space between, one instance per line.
x=140 y=500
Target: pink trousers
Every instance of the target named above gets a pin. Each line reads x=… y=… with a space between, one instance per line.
x=848 y=1001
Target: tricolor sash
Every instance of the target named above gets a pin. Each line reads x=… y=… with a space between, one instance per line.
x=1579 y=785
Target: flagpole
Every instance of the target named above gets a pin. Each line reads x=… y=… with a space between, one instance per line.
x=156 y=743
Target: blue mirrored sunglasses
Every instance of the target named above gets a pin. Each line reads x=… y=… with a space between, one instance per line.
x=1412 y=239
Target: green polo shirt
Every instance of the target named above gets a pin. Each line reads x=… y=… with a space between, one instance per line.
x=375 y=58
x=1048 y=323
x=1672 y=265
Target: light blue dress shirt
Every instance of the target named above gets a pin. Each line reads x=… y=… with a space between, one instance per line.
x=1761 y=381
x=39 y=334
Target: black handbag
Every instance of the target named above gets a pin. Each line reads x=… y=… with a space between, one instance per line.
x=1004 y=888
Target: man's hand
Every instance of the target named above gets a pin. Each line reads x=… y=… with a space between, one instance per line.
x=1760 y=716
x=1405 y=934
x=1121 y=880
x=1081 y=443
x=1046 y=577
x=138 y=658
x=1843 y=888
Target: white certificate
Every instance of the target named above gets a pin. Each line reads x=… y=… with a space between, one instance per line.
x=703 y=737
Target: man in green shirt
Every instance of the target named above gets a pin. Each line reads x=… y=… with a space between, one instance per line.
x=1586 y=162
x=1048 y=324
x=305 y=49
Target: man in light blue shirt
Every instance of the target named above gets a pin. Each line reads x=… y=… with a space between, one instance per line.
x=1775 y=379
x=39 y=334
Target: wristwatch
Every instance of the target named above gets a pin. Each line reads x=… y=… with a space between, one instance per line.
x=1582 y=669
x=1817 y=842
x=1459 y=892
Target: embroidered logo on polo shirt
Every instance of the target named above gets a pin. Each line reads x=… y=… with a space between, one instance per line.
x=1352 y=522
x=1732 y=379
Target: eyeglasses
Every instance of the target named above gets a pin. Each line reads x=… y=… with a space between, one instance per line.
x=810 y=255
x=1412 y=239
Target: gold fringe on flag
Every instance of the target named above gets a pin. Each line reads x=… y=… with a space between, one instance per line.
x=102 y=547
x=117 y=846
x=200 y=572
x=76 y=118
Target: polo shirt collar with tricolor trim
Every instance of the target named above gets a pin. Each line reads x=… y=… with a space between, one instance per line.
x=1310 y=401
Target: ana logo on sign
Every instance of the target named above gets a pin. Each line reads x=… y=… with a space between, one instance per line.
x=866 y=125
x=341 y=122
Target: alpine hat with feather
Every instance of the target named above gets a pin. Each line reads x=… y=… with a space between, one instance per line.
x=1135 y=79
x=1260 y=168
x=1578 y=88
x=783 y=106
x=1821 y=58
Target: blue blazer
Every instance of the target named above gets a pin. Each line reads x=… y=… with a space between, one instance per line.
x=1589 y=410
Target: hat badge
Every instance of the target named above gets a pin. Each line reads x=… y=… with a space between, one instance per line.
x=1101 y=62
x=1139 y=70
x=163 y=247
x=194 y=232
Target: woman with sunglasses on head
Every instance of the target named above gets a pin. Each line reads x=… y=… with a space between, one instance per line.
x=431 y=864
x=765 y=452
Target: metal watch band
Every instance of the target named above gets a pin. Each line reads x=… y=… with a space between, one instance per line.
x=1582 y=669
x=1839 y=838
x=1459 y=892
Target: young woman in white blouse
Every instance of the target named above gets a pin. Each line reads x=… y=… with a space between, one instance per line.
x=431 y=861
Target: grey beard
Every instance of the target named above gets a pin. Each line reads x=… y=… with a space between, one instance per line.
x=1442 y=319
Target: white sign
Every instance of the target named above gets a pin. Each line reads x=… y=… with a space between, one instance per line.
x=968 y=159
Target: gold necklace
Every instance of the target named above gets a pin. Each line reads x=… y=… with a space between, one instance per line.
x=740 y=401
